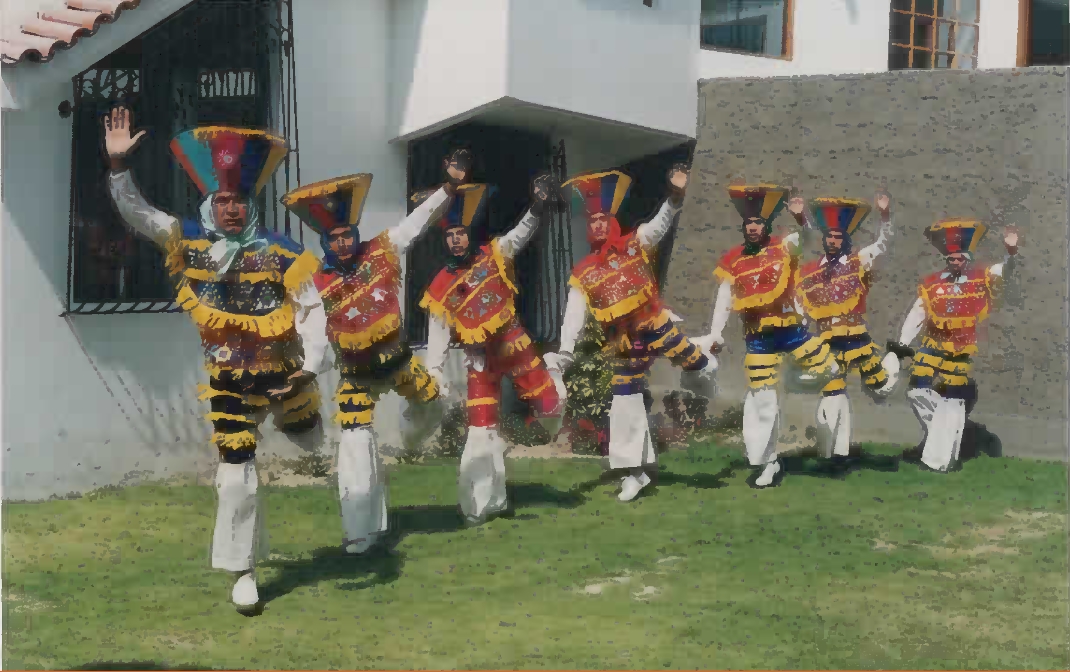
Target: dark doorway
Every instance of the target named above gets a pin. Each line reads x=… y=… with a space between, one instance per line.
x=509 y=159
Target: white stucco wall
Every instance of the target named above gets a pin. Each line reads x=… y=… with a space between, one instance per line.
x=90 y=400
x=447 y=58
x=851 y=36
x=615 y=60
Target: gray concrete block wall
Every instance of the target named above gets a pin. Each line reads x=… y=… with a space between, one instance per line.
x=991 y=144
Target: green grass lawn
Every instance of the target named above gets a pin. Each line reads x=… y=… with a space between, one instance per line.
x=883 y=567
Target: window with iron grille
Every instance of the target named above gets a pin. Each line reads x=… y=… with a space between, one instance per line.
x=213 y=62
x=927 y=34
x=758 y=27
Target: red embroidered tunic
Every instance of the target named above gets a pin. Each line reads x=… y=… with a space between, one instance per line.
x=618 y=283
x=954 y=309
x=362 y=307
x=761 y=285
x=834 y=295
x=476 y=302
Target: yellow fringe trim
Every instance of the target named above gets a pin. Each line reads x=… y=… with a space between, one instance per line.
x=300 y=400
x=922 y=371
x=537 y=391
x=774 y=321
x=723 y=274
x=175 y=252
x=516 y=345
x=235 y=441
x=762 y=360
x=358 y=418
x=499 y=260
x=835 y=385
x=948 y=346
x=357 y=399
x=834 y=309
x=275 y=323
x=875 y=379
x=758 y=300
x=852 y=355
x=482 y=401
x=300 y=271
x=624 y=306
x=273 y=367
x=362 y=340
x=954 y=380
x=228 y=416
x=209 y=276
x=301 y=414
x=844 y=330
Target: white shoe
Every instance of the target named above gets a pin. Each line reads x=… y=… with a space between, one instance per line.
x=244 y=593
x=644 y=479
x=630 y=487
x=770 y=471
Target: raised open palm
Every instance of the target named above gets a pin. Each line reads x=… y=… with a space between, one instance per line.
x=118 y=126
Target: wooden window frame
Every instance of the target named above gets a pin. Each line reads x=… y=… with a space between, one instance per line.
x=932 y=20
x=1025 y=33
x=787 y=38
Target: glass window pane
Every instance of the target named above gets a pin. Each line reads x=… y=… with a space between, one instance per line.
x=1050 y=33
x=898 y=58
x=923 y=60
x=900 y=30
x=755 y=26
x=945 y=8
x=927 y=7
x=943 y=36
x=964 y=62
x=901 y=4
x=965 y=39
x=967 y=11
x=922 y=33
x=943 y=61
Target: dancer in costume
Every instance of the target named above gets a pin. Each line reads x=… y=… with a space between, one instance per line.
x=950 y=306
x=471 y=302
x=359 y=284
x=757 y=281
x=251 y=294
x=616 y=284
x=831 y=292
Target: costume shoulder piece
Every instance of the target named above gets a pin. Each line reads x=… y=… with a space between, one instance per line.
x=757 y=279
x=956 y=305
x=837 y=289
x=476 y=302
x=362 y=306
x=617 y=283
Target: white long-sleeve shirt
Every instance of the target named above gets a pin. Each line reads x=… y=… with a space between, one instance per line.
x=412 y=227
x=310 y=320
x=916 y=318
x=649 y=235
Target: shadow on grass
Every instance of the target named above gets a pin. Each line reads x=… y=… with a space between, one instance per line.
x=702 y=481
x=803 y=464
x=383 y=563
x=976 y=441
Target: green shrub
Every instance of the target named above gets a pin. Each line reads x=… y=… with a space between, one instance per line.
x=588 y=382
x=453 y=432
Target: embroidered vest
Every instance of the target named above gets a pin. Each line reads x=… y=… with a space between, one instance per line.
x=834 y=295
x=618 y=283
x=476 y=302
x=954 y=310
x=243 y=318
x=362 y=307
x=761 y=285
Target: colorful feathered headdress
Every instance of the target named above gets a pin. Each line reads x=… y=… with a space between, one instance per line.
x=956 y=235
x=331 y=203
x=223 y=158
x=839 y=214
x=602 y=192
